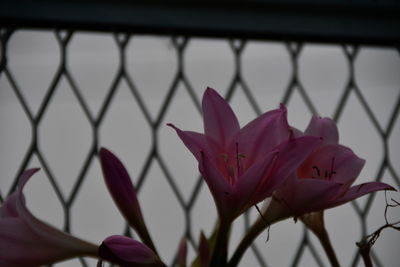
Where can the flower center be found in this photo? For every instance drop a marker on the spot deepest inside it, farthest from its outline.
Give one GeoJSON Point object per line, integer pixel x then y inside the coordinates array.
{"type": "Point", "coordinates": [233, 165]}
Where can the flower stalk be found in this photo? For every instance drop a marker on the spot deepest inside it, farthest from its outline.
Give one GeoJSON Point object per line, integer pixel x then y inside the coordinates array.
{"type": "Point", "coordinates": [219, 255]}
{"type": "Point", "coordinates": [315, 222]}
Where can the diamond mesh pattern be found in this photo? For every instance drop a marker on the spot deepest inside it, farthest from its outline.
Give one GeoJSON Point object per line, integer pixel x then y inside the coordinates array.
{"type": "Point", "coordinates": [155, 161]}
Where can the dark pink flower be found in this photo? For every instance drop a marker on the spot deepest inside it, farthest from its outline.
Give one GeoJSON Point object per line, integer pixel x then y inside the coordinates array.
{"type": "Point", "coordinates": [128, 252]}
{"type": "Point", "coordinates": [26, 241]}
{"type": "Point", "coordinates": [244, 166]}
{"type": "Point", "coordinates": [324, 180]}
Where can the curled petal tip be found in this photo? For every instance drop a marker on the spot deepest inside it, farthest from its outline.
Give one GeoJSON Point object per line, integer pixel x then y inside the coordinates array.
{"type": "Point", "coordinates": [104, 153]}
{"type": "Point", "coordinates": [171, 125]}
{"type": "Point", "coordinates": [209, 90]}
{"type": "Point", "coordinates": [25, 176]}
{"type": "Point", "coordinates": [391, 188]}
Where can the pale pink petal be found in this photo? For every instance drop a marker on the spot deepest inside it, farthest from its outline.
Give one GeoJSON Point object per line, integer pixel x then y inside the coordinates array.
{"type": "Point", "coordinates": [301, 196]}
{"type": "Point", "coordinates": [332, 162]}
{"type": "Point", "coordinates": [49, 234]}
{"type": "Point", "coordinates": [195, 142]}
{"type": "Point", "coordinates": [290, 155]}
{"type": "Point", "coordinates": [9, 208]}
{"type": "Point", "coordinates": [263, 134]}
{"type": "Point", "coordinates": [325, 128]}
{"type": "Point", "coordinates": [248, 183]}
{"type": "Point", "coordinates": [220, 123]}
{"type": "Point", "coordinates": [358, 191]}
{"type": "Point", "coordinates": [121, 188]}
{"type": "Point", "coordinates": [127, 252]}
{"type": "Point", "coordinates": [21, 246]}
{"type": "Point", "coordinates": [218, 185]}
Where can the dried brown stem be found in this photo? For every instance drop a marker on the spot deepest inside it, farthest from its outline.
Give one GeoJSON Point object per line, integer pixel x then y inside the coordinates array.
{"type": "Point", "coordinates": [368, 241]}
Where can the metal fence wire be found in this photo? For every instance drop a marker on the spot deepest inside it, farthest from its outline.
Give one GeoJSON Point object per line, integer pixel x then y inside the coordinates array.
{"type": "Point", "coordinates": [294, 89]}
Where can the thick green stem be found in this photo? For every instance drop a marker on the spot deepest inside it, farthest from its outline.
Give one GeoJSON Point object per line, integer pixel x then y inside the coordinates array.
{"type": "Point", "coordinates": [220, 251]}
{"type": "Point", "coordinates": [327, 245]}
{"type": "Point", "coordinates": [246, 242]}
{"type": "Point", "coordinates": [145, 236]}
{"type": "Point", "coordinates": [315, 222]}
{"type": "Point", "coordinates": [271, 215]}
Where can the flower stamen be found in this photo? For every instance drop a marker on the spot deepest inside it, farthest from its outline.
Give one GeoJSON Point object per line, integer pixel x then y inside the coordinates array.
{"type": "Point", "coordinates": [317, 170]}
{"type": "Point", "coordinates": [237, 160]}
{"type": "Point", "coordinates": [332, 166]}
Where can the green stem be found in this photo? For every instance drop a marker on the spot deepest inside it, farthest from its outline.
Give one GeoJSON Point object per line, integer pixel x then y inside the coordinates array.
{"type": "Point", "coordinates": [220, 251]}
{"type": "Point", "coordinates": [146, 238]}
{"type": "Point", "coordinates": [327, 245]}
{"type": "Point", "coordinates": [316, 223]}
{"type": "Point", "coordinates": [246, 242]}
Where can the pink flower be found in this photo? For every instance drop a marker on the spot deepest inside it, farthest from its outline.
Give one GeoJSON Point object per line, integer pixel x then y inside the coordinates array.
{"type": "Point", "coordinates": [127, 252]}
{"type": "Point", "coordinates": [26, 241]}
{"type": "Point", "coordinates": [244, 166]}
{"type": "Point", "coordinates": [324, 180]}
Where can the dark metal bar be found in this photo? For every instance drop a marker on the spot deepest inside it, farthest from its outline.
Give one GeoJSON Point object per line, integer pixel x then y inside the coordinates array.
{"type": "Point", "coordinates": [361, 22]}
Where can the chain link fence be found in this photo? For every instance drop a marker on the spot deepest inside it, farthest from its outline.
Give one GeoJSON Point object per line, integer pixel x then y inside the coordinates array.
{"type": "Point", "coordinates": [121, 89]}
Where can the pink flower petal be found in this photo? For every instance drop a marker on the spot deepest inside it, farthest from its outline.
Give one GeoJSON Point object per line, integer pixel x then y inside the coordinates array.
{"type": "Point", "coordinates": [263, 134]}
{"type": "Point", "coordinates": [291, 154]}
{"type": "Point", "coordinates": [121, 188]}
{"type": "Point", "coordinates": [358, 191]}
{"type": "Point", "coordinates": [220, 123]}
{"type": "Point", "coordinates": [245, 187]}
{"type": "Point", "coordinates": [332, 162]}
{"type": "Point", "coordinates": [50, 234]}
{"type": "Point", "coordinates": [21, 246]}
{"type": "Point", "coordinates": [325, 128]}
{"type": "Point", "coordinates": [219, 187]}
{"type": "Point", "coordinates": [9, 207]}
{"type": "Point", "coordinates": [127, 252]}
{"type": "Point", "coordinates": [195, 142]}
{"type": "Point", "coordinates": [27, 241]}
{"type": "Point", "coordinates": [301, 196]}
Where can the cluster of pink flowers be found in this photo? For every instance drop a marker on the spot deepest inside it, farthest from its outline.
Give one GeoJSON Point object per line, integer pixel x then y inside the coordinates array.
{"type": "Point", "coordinates": [301, 173]}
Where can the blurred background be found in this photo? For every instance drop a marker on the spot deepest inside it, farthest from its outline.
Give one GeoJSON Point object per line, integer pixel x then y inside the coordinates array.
{"type": "Point", "coordinates": [63, 94]}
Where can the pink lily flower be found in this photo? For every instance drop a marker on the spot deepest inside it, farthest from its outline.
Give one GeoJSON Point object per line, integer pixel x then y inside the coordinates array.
{"type": "Point", "coordinates": [128, 252]}
{"type": "Point", "coordinates": [324, 180]}
{"type": "Point", "coordinates": [121, 189]}
{"type": "Point", "coordinates": [25, 241]}
{"type": "Point", "coordinates": [244, 166]}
